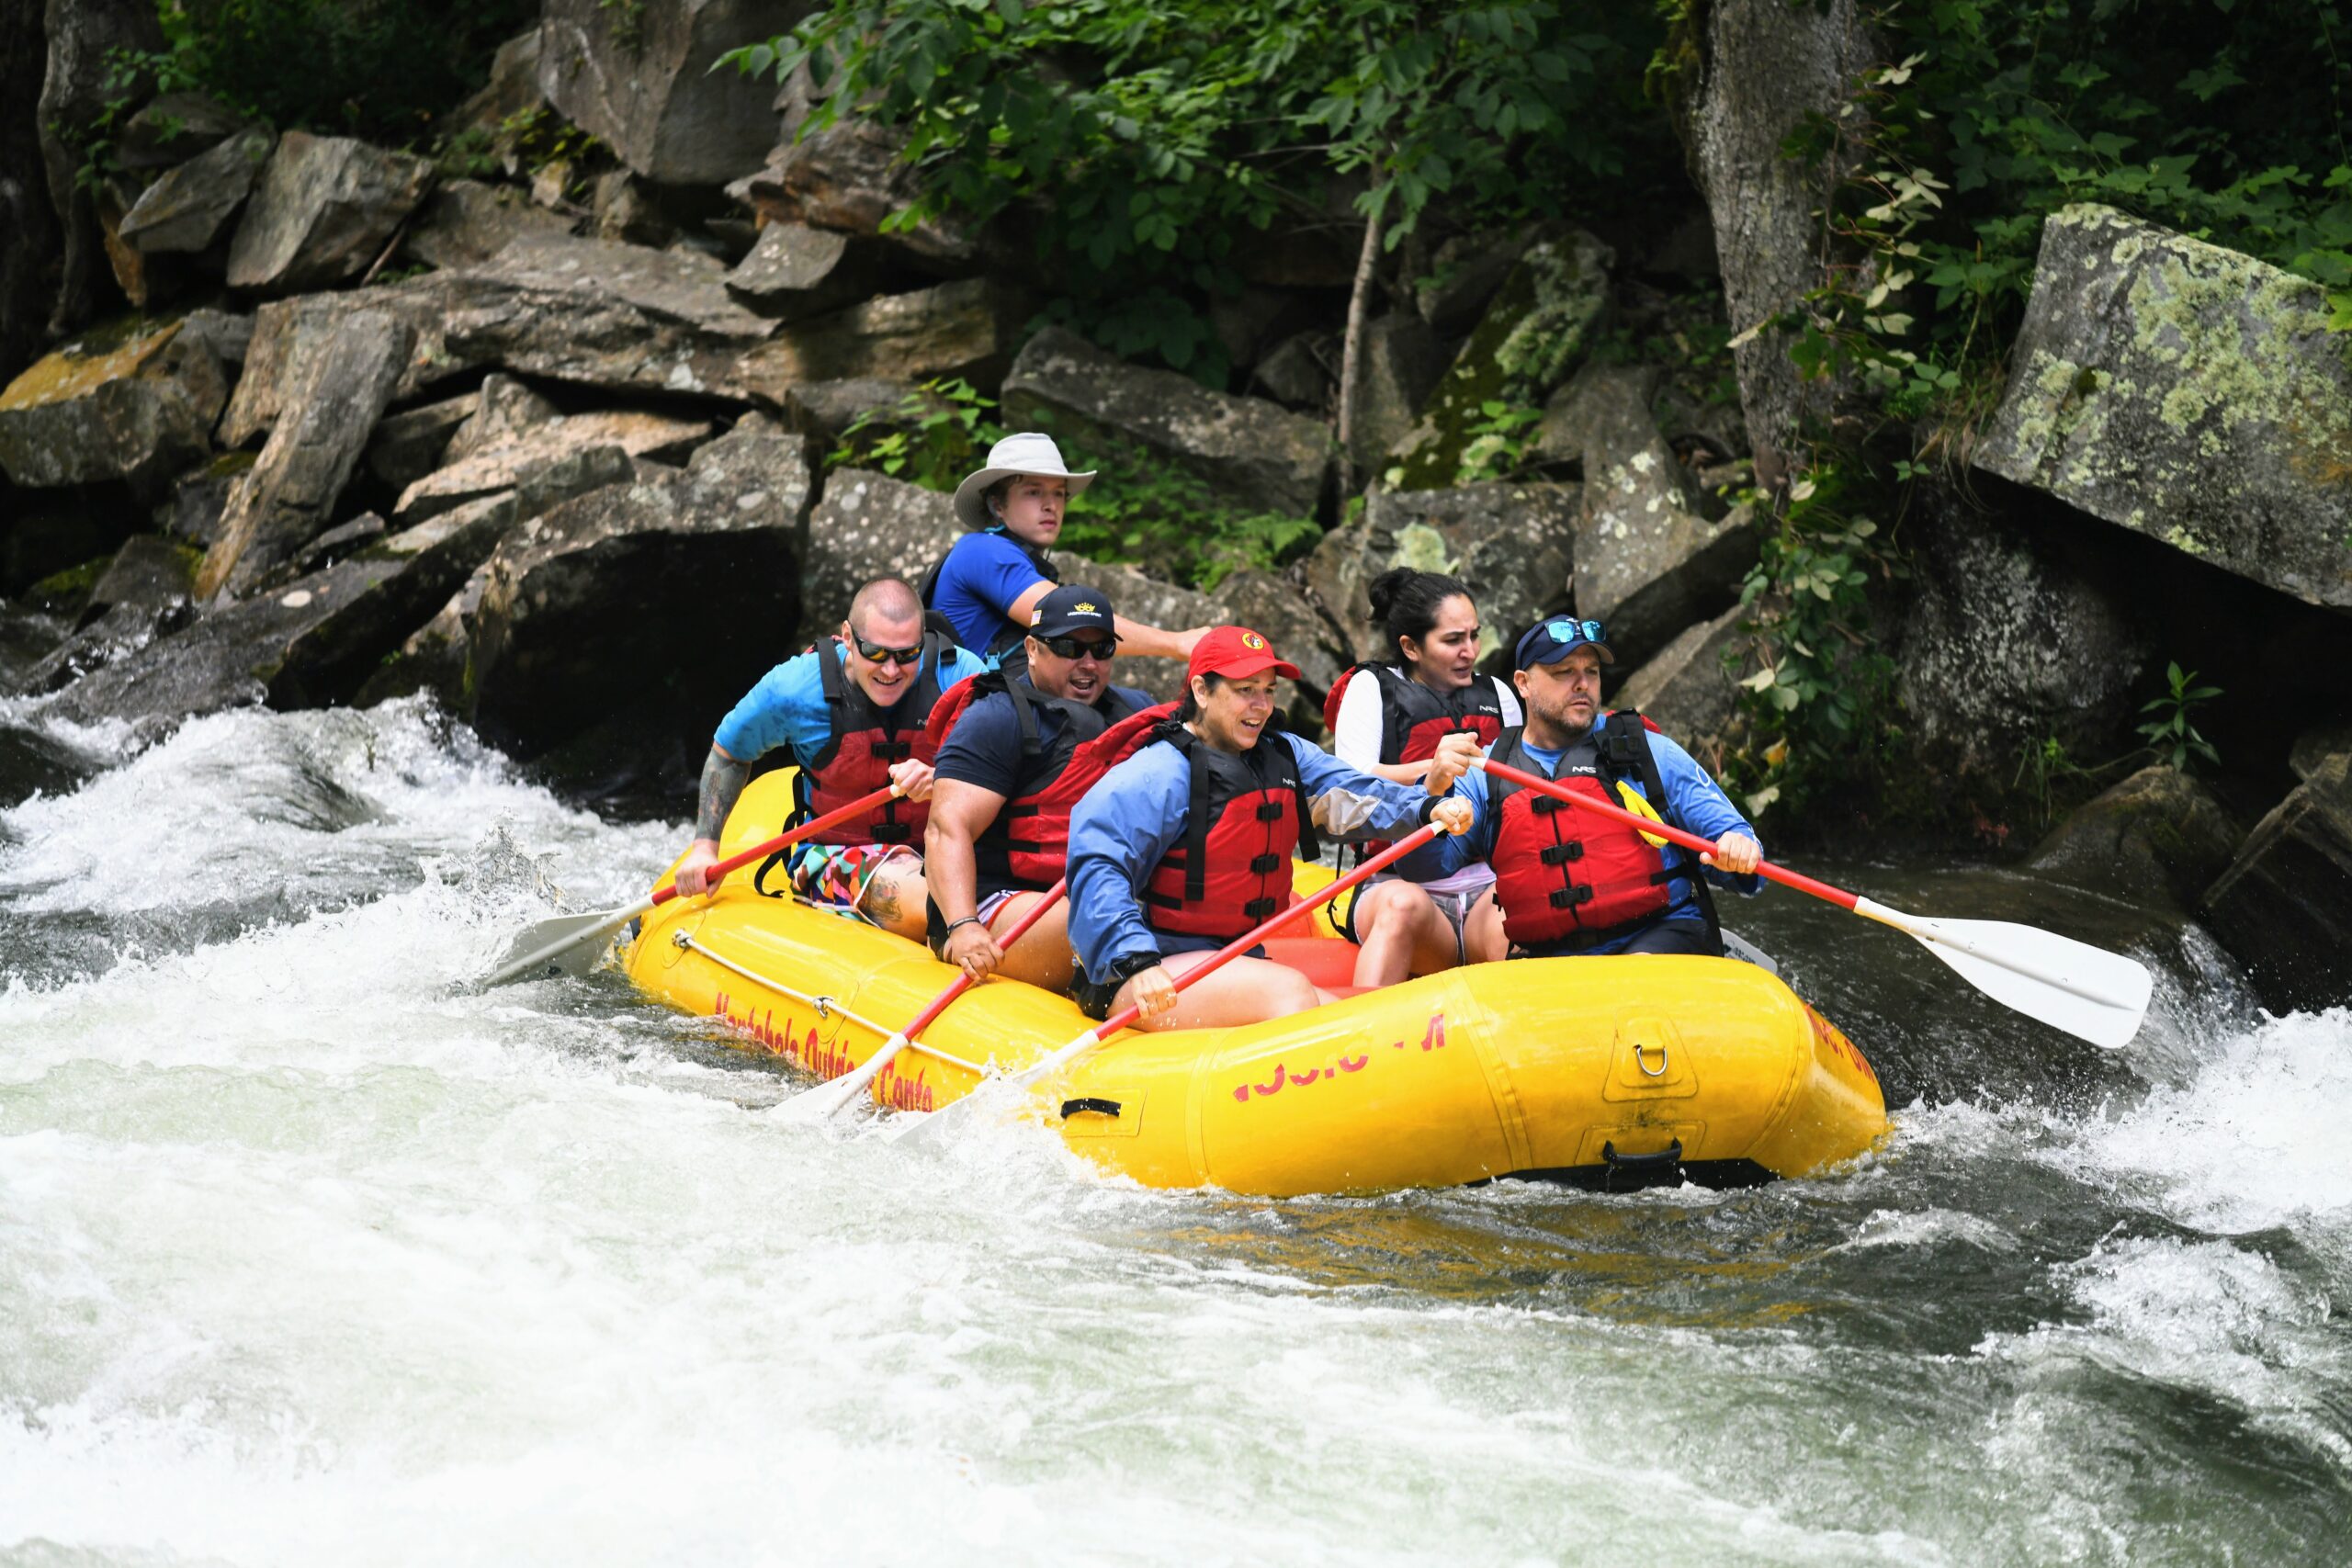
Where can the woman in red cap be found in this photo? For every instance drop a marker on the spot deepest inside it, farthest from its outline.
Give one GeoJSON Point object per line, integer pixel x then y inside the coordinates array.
{"type": "Point", "coordinates": [1187, 844]}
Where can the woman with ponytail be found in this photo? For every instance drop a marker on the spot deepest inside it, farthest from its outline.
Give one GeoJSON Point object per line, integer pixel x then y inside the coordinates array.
{"type": "Point", "coordinates": [1392, 717]}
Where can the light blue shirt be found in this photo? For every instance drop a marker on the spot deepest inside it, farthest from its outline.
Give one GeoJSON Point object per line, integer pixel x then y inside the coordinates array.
{"type": "Point", "coordinates": [787, 706]}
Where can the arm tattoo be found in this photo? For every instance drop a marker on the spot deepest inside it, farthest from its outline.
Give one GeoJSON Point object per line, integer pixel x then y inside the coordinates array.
{"type": "Point", "coordinates": [723, 779]}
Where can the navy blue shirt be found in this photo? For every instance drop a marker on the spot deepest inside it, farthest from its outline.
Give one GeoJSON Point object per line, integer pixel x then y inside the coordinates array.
{"type": "Point", "coordinates": [984, 749]}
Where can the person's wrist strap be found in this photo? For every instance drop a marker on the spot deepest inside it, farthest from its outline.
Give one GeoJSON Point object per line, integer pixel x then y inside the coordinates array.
{"type": "Point", "coordinates": [963, 920]}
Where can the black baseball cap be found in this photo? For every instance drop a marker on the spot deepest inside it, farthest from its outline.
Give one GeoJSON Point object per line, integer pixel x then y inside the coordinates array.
{"type": "Point", "coordinates": [1072, 608]}
{"type": "Point", "coordinates": [1548, 642]}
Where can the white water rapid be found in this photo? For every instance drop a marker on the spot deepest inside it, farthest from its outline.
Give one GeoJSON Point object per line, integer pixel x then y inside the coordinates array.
{"type": "Point", "coordinates": [308, 1254]}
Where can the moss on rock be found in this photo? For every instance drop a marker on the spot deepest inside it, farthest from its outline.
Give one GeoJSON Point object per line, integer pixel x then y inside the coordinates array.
{"type": "Point", "coordinates": [1530, 340]}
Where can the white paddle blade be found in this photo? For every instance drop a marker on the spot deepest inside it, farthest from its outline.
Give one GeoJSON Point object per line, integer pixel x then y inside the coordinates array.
{"type": "Point", "coordinates": [828, 1099]}
{"type": "Point", "coordinates": [2088, 992]}
{"type": "Point", "coordinates": [565, 945]}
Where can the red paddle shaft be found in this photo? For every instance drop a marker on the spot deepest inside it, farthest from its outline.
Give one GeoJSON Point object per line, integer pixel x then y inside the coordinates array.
{"type": "Point", "coordinates": [1037, 912]}
{"type": "Point", "coordinates": [669, 889]}
{"type": "Point", "coordinates": [1690, 842]}
{"type": "Point", "coordinates": [1281, 918]}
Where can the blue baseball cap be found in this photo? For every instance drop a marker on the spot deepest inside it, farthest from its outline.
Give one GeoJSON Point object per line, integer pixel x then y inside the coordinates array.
{"type": "Point", "coordinates": [1548, 642]}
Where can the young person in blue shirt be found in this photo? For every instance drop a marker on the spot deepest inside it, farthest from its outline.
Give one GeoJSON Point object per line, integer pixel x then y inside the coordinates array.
{"type": "Point", "coordinates": [852, 710]}
{"type": "Point", "coordinates": [1023, 750]}
{"type": "Point", "coordinates": [1187, 844]}
{"type": "Point", "coordinates": [1574, 882]}
{"type": "Point", "coordinates": [992, 578]}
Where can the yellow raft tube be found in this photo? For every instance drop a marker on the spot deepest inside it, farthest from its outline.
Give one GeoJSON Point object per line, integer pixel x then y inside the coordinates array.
{"type": "Point", "coordinates": [1608, 1072]}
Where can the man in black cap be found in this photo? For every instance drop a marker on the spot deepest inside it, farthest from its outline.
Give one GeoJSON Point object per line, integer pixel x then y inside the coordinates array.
{"type": "Point", "coordinates": [1020, 751]}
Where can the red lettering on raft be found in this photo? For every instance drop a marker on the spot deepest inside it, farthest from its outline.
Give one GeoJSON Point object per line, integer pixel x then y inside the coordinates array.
{"type": "Point", "coordinates": [1432, 1039]}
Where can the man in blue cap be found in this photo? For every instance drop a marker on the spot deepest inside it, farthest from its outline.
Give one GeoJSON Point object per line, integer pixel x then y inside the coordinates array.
{"type": "Point", "coordinates": [1575, 882]}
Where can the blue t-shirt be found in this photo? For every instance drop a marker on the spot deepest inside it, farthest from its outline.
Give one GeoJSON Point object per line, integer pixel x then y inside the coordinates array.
{"type": "Point", "coordinates": [984, 749]}
{"type": "Point", "coordinates": [981, 577]}
{"type": "Point", "coordinates": [787, 707]}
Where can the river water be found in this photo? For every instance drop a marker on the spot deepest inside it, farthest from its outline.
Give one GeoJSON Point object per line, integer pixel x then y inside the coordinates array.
{"type": "Point", "coordinates": [307, 1255]}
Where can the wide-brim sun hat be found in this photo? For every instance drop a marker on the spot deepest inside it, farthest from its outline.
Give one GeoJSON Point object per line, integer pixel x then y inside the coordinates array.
{"type": "Point", "coordinates": [1025, 452]}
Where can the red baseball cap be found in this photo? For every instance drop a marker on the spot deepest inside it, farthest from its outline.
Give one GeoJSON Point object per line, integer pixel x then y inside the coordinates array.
{"type": "Point", "coordinates": [1236, 653]}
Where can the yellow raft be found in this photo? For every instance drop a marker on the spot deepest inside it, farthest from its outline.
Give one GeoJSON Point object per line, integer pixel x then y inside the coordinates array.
{"type": "Point", "coordinates": [1602, 1072]}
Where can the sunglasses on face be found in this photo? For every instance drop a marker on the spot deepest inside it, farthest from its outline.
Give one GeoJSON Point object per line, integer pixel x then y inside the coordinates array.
{"type": "Point", "coordinates": [875, 653]}
{"type": "Point", "coordinates": [1071, 648]}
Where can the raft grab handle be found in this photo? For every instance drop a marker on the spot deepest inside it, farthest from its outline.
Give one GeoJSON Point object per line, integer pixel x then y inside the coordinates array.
{"type": "Point", "coordinates": [1641, 1170]}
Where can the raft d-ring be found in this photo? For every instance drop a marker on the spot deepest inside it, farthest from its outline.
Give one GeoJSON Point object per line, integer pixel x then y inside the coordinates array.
{"type": "Point", "coordinates": [1643, 1062]}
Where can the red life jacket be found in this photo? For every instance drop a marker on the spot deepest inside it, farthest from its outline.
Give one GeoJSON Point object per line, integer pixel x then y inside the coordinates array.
{"type": "Point", "coordinates": [866, 742]}
{"type": "Point", "coordinates": [1246, 816]}
{"type": "Point", "coordinates": [1028, 844]}
{"type": "Point", "coordinates": [1565, 876]}
{"type": "Point", "coordinates": [1415, 717]}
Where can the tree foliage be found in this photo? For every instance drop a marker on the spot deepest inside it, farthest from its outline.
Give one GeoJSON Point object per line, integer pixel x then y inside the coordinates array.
{"type": "Point", "coordinates": [1170, 138]}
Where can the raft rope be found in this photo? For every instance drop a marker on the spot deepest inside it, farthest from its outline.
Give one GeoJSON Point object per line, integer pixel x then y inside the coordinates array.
{"type": "Point", "coordinates": [826, 1006]}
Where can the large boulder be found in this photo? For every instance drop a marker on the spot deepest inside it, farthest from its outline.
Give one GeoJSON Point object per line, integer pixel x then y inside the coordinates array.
{"type": "Point", "coordinates": [1648, 564]}
{"type": "Point", "coordinates": [2005, 645]}
{"type": "Point", "coordinates": [186, 210]}
{"type": "Point", "coordinates": [618, 317]}
{"type": "Point", "coordinates": [1687, 688]}
{"type": "Point", "coordinates": [1466, 273]}
{"type": "Point", "coordinates": [290, 496]}
{"type": "Point", "coordinates": [2158, 837]}
{"type": "Point", "coordinates": [2284, 907]}
{"type": "Point", "coordinates": [2186, 392]}
{"type": "Point", "coordinates": [1513, 546]}
{"type": "Point", "coordinates": [1398, 365]}
{"type": "Point", "coordinates": [495, 469]}
{"type": "Point", "coordinates": [1533, 336]}
{"type": "Point", "coordinates": [868, 525]}
{"type": "Point", "coordinates": [466, 222]}
{"type": "Point", "coordinates": [851, 177]}
{"type": "Point", "coordinates": [132, 402]}
{"type": "Point", "coordinates": [1251, 453]}
{"type": "Point", "coordinates": [323, 211]}
{"type": "Point", "coordinates": [966, 328]}
{"type": "Point", "coordinates": [639, 78]}
{"type": "Point", "coordinates": [308, 643]}
{"type": "Point", "coordinates": [1278, 604]}
{"type": "Point", "coordinates": [172, 128]}
{"type": "Point", "coordinates": [704, 562]}
{"type": "Point", "coordinates": [795, 271]}
{"type": "Point", "coordinates": [144, 592]}
{"type": "Point", "coordinates": [411, 443]}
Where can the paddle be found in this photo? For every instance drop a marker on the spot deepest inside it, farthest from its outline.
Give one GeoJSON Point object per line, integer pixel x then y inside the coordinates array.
{"type": "Point", "coordinates": [565, 945]}
{"type": "Point", "coordinates": [2090, 993]}
{"type": "Point", "coordinates": [943, 1118]}
{"type": "Point", "coordinates": [816, 1104]}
